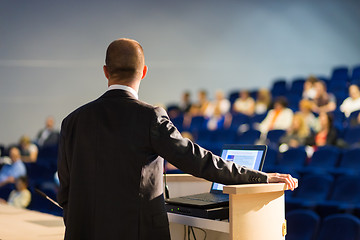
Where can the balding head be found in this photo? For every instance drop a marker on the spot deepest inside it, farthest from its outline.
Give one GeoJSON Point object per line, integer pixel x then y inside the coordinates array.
{"type": "Point", "coordinates": [124, 61]}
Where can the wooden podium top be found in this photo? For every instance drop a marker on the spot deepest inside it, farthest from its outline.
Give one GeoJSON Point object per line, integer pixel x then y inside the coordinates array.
{"type": "Point", "coordinates": [254, 188]}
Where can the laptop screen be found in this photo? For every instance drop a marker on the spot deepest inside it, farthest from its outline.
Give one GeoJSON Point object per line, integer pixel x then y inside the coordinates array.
{"type": "Point", "coordinates": [250, 156]}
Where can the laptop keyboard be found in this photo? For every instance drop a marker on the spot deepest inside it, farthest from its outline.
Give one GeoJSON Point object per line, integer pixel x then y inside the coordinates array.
{"type": "Point", "coordinates": [209, 197]}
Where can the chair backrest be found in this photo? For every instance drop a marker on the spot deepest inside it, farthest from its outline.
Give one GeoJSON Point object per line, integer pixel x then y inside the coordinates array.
{"type": "Point", "coordinates": [346, 189]}
{"type": "Point", "coordinates": [325, 157]}
{"type": "Point", "coordinates": [248, 137]}
{"type": "Point", "coordinates": [294, 157]}
{"type": "Point", "coordinates": [352, 135]}
{"type": "Point", "coordinates": [297, 86]}
{"type": "Point", "coordinates": [314, 187]}
{"type": "Point", "coordinates": [351, 159]}
{"type": "Point", "coordinates": [340, 74]}
{"type": "Point", "coordinates": [340, 226]}
{"type": "Point", "coordinates": [273, 136]}
{"type": "Point", "coordinates": [302, 225]}
{"type": "Point", "coordinates": [238, 119]}
{"type": "Point", "coordinates": [279, 88]}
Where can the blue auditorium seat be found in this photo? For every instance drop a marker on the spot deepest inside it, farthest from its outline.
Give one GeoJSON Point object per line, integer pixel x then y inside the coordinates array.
{"type": "Point", "coordinates": [352, 135]}
{"type": "Point", "coordinates": [349, 162]}
{"type": "Point", "coordinates": [313, 188]}
{"type": "Point", "coordinates": [238, 119]}
{"type": "Point", "coordinates": [273, 137]}
{"type": "Point", "coordinates": [344, 196]}
{"type": "Point", "coordinates": [340, 226]}
{"type": "Point", "coordinates": [302, 225]}
{"type": "Point", "coordinates": [178, 122]}
{"type": "Point", "coordinates": [248, 137]}
{"type": "Point", "coordinates": [355, 76]}
{"type": "Point", "coordinates": [297, 86]}
{"type": "Point", "coordinates": [292, 160]}
{"type": "Point", "coordinates": [279, 88]}
{"type": "Point", "coordinates": [271, 161]}
{"type": "Point", "coordinates": [324, 159]}
{"type": "Point", "coordinates": [340, 73]}
{"type": "Point", "coordinates": [233, 96]}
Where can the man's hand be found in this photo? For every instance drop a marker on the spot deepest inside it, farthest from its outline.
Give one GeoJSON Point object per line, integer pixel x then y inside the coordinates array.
{"type": "Point", "coordinates": [291, 183]}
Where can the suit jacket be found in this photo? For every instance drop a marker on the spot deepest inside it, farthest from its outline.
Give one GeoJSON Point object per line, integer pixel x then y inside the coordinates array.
{"type": "Point", "coordinates": [110, 168]}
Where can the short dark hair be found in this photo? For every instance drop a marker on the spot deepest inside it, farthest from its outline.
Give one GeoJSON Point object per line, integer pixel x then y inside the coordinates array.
{"type": "Point", "coordinates": [24, 179]}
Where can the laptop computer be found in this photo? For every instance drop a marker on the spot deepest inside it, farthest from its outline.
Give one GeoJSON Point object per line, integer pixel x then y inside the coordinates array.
{"type": "Point", "coordinates": [250, 156]}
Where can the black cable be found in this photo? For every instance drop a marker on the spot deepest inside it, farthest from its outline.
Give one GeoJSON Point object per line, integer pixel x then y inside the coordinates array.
{"type": "Point", "coordinates": [167, 194]}
{"type": "Point", "coordinates": [205, 234]}
{"type": "Point", "coordinates": [192, 230]}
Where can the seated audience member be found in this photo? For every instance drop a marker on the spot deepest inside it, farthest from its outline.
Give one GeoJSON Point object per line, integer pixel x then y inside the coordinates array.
{"type": "Point", "coordinates": [48, 136]}
{"type": "Point", "coordinates": [21, 197]}
{"type": "Point", "coordinates": [201, 107]}
{"type": "Point", "coordinates": [10, 172]}
{"type": "Point", "coordinates": [323, 101]}
{"type": "Point", "coordinates": [352, 103]}
{"type": "Point", "coordinates": [217, 111]}
{"type": "Point", "coordinates": [309, 91]}
{"type": "Point", "coordinates": [296, 134]}
{"type": "Point", "coordinates": [263, 101]}
{"type": "Point", "coordinates": [185, 104]}
{"type": "Point", "coordinates": [327, 135]}
{"type": "Point", "coordinates": [305, 107]}
{"type": "Point", "coordinates": [28, 150]}
{"type": "Point", "coordinates": [245, 104]}
{"type": "Point", "coordinates": [278, 118]}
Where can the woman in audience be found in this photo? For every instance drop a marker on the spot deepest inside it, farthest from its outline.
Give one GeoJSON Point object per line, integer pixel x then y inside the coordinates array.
{"type": "Point", "coordinates": [245, 104]}
{"type": "Point", "coordinates": [327, 135]}
{"type": "Point", "coordinates": [323, 101]}
{"type": "Point", "coordinates": [29, 151]}
{"type": "Point", "coordinates": [278, 118]}
{"type": "Point", "coordinates": [312, 122]}
{"type": "Point", "coordinates": [217, 111]}
{"type": "Point", "coordinates": [263, 101]}
{"type": "Point", "coordinates": [296, 134]}
{"type": "Point", "coordinates": [352, 103]}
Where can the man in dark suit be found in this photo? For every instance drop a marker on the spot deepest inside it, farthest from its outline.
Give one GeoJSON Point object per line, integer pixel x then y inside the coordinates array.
{"type": "Point", "coordinates": [111, 158]}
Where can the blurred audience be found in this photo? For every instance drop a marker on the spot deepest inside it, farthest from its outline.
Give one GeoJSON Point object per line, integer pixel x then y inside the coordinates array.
{"type": "Point", "coordinates": [296, 134]}
{"type": "Point", "coordinates": [305, 107]}
{"type": "Point", "coordinates": [10, 172]}
{"type": "Point", "coordinates": [245, 104]}
{"type": "Point", "coordinates": [263, 101]}
{"type": "Point", "coordinates": [327, 134]}
{"type": "Point", "coordinates": [323, 101]}
{"type": "Point", "coordinates": [21, 196]}
{"type": "Point", "coordinates": [309, 91]}
{"type": "Point", "coordinates": [278, 118]}
{"type": "Point", "coordinates": [28, 150]}
{"type": "Point", "coordinates": [48, 136]}
{"type": "Point", "coordinates": [201, 106]}
{"type": "Point", "coordinates": [352, 103]}
{"type": "Point", "coordinates": [185, 104]}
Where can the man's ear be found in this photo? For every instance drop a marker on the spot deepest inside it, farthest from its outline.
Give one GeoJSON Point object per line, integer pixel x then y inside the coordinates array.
{"type": "Point", "coordinates": [106, 72]}
{"type": "Point", "coordinates": [144, 72]}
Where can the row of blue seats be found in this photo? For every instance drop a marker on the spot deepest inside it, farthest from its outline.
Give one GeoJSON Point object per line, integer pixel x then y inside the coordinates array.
{"type": "Point", "coordinates": [307, 225]}
{"type": "Point", "coordinates": [328, 159]}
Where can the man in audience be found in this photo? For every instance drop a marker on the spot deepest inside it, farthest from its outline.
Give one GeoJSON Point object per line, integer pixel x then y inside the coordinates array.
{"type": "Point", "coordinates": [352, 103]}
{"type": "Point", "coordinates": [323, 101]}
{"type": "Point", "coordinates": [118, 140]}
{"type": "Point", "coordinates": [48, 136]}
{"type": "Point", "coordinates": [21, 196]}
{"type": "Point", "coordinates": [10, 172]}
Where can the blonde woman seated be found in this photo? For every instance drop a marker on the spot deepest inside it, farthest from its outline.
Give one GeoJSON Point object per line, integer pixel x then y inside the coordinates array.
{"type": "Point", "coordinates": [296, 134]}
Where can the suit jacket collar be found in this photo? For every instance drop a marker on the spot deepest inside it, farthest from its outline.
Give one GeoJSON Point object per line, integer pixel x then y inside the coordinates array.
{"type": "Point", "coordinates": [118, 93]}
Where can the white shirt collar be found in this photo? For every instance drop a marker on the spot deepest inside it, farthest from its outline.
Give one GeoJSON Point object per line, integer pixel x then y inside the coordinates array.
{"type": "Point", "coordinates": [123, 87]}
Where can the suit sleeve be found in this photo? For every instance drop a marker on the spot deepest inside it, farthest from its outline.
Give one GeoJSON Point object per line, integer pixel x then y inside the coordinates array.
{"type": "Point", "coordinates": [63, 173]}
{"type": "Point", "coordinates": [192, 159]}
